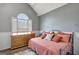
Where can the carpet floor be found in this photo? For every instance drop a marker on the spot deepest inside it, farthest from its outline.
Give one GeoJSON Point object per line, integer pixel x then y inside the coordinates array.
{"type": "Point", "coordinates": [19, 51]}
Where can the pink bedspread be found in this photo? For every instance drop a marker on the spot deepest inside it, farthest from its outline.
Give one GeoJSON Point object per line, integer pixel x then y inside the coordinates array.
{"type": "Point", "coordinates": [45, 47]}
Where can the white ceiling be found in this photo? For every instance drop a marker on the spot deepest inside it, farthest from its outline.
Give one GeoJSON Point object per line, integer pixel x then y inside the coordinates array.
{"type": "Point", "coordinates": [43, 8]}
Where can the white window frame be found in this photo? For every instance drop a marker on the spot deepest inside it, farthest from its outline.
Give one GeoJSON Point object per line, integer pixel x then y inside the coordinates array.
{"type": "Point", "coordinates": [15, 24]}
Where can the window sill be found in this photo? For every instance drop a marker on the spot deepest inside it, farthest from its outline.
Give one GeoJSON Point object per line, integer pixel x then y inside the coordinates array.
{"type": "Point", "coordinates": [13, 34]}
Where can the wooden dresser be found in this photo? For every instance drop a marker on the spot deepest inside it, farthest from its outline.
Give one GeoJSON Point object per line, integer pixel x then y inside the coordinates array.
{"type": "Point", "coordinates": [20, 39]}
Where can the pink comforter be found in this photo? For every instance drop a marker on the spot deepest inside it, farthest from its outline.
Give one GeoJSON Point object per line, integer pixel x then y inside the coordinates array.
{"type": "Point", "coordinates": [45, 47]}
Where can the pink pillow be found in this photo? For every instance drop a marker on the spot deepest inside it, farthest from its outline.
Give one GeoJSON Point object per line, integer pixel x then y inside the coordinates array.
{"type": "Point", "coordinates": [57, 38]}
{"type": "Point", "coordinates": [67, 33]}
{"type": "Point", "coordinates": [65, 37]}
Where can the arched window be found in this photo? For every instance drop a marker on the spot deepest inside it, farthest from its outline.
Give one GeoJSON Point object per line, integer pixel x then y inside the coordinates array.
{"type": "Point", "coordinates": [22, 16]}
{"type": "Point", "coordinates": [23, 23]}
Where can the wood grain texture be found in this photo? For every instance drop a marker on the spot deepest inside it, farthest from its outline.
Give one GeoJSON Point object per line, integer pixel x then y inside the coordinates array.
{"type": "Point", "coordinates": [21, 40]}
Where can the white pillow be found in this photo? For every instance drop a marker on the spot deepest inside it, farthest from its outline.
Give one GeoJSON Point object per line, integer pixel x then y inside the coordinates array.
{"type": "Point", "coordinates": [49, 37]}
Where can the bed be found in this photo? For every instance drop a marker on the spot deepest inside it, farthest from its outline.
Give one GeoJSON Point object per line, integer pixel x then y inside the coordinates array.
{"type": "Point", "coordinates": [45, 47]}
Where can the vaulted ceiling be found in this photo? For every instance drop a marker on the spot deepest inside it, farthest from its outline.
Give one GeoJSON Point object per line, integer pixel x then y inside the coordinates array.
{"type": "Point", "coordinates": [43, 8]}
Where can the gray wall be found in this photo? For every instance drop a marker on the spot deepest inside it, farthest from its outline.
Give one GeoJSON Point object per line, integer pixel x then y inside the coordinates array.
{"type": "Point", "coordinates": [76, 43]}
{"type": "Point", "coordinates": [65, 18]}
{"type": "Point", "coordinates": [12, 10]}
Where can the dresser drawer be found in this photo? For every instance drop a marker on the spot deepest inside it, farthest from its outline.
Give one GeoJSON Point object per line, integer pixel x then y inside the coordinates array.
{"type": "Point", "coordinates": [20, 40]}
{"type": "Point", "coordinates": [18, 44]}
